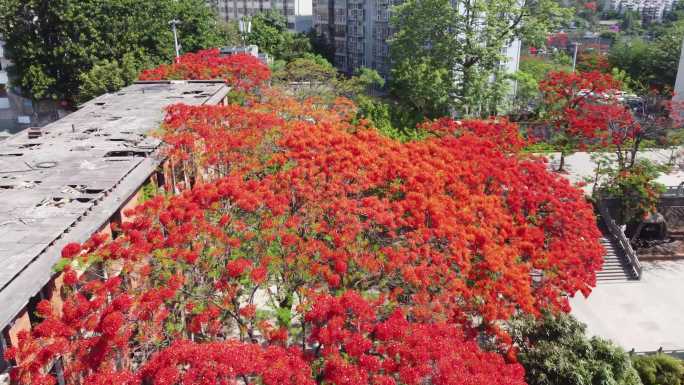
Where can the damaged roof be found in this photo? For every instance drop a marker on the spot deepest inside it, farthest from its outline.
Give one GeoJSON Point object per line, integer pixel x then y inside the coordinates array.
{"type": "Point", "coordinates": [62, 183]}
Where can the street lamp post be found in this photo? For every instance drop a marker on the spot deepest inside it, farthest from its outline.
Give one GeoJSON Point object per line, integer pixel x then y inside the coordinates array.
{"type": "Point", "coordinates": [173, 24]}
{"type": "Point", "coordinates": [574, 57]}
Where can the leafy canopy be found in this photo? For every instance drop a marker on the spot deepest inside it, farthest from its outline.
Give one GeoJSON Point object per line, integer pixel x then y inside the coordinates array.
{"type": "Point", "coordinates": [555, 351]}
{"type": "Point", "coordinates": [57, 45]}
{"type": "Point", "coordinates": [445, 50]}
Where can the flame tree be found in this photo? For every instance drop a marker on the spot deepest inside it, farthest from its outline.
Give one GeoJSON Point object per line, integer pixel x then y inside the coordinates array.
{"type": "Point", "coordinates": [305, 248]}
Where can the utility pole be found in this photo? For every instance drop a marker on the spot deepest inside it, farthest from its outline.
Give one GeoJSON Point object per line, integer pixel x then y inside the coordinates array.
{"type": "Point", "coordinates": [574, 57]}
{"type": "Point", "coordinates": [173, 24]}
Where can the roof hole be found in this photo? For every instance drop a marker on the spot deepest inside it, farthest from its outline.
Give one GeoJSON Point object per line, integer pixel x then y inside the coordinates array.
{"type": "Point", "coordinates": [82, 148]}
{"type": "Point", "coordinates": [30, 145]}
{"type": "Point", "coordinates": [119, 154]}
{"type": "Point", "coordinates": [46, 164]}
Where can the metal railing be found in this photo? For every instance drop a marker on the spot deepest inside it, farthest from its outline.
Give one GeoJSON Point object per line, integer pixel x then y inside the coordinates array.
{"type": "Point", "coordinates": [619, 235]}
{"type": "Point", "coordinates": [674, 191]}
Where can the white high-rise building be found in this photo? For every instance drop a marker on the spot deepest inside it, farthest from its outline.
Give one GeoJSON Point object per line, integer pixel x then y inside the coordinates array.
{"type": "Point", "coordinates": [297, 12]}
{"type": "Point", "coordinates": [650, 10]}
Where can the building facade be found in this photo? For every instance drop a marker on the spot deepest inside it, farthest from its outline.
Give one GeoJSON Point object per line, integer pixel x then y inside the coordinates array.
{"type": "Point", "coordinates": [358, 30]}
{"type": "Point", "coordinates": [651, 11]}
{"type": "Point", "coordinates": [295, 11]}
{"type": "Point", "coordinates": [75, 178]}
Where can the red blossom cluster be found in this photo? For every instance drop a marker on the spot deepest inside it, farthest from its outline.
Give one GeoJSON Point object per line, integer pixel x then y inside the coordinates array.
{"type": "Point", "coordinates": [582, 105]}
{"type": "Point", "coordinates": [303, 247]}
{"type": "Point", "coordinates": [242, 71]}
{"type": "Point", "coordinates": [558, 40]}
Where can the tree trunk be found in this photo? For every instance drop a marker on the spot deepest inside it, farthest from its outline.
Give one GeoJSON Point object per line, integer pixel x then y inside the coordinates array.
{"type": "Point", "coordinates": [562, 163]}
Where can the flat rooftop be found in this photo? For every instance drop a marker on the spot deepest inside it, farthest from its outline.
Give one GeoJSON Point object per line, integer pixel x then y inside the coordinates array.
{"type": "Point", "coordinates": [65, 184]}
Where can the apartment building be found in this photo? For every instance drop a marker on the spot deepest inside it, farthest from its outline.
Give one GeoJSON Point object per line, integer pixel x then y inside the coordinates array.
{"type": "Point", "coordinates": [652, 11]}
{"type": "Point", "coordinates": [75, 178]}
{"type": "Point", "coordinates": [297, 12]}
{"type": "Point", "coordinates": [359, 29]}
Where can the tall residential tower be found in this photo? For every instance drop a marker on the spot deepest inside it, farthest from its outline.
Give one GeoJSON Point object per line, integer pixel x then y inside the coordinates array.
{"type": "Point", "coordinates": [295, 11]}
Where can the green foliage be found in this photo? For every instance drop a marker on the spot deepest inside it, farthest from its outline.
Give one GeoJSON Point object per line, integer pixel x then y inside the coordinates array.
{"type": "Point", "coordinates": [57, 44]}
{"type": "Point", "coordinates": [423, 87]}
{"type": "Point", "coordinates": [441, 61]}
{"type": "Point", "coordinates": [532, 70]}
{"type": "Point", "coordinates": [389, 119]}
{"type": "Point", "coordinates": [270, 33]}
{"type": "Point", "coordinates": [659, 369]}
{"type": "Point", "coordinates": [308, 68]}
{"type": "Point", "coordinates": [556, 351]}
{"type": "Point", "coordinates": [109, 76]}
{"type": "Point", "coordinates": [229, 33]}
{"type": "Point", "coordinates": [149, 191]}
{"type": "Point", "coordinates": [359, 84]}
{"type": "Point", "coordinates": [631, 23]}
{"type": "Point", "coordinates": [650, 63]}
{"type": "Point", "coordinates": [321, 46]}
{"type": "Point", "coordinates": [636, 187]}
{"type": "Point", "coordinates": [61, 264]}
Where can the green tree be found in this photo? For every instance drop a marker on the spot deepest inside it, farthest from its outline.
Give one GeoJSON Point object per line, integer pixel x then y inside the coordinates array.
{"type": "Point", "coordinates": [270, 33]}
{"type": "Point", "coordinates": [556, 351]}
{"type": "Point", "coordinates": [423, 86]}
{"type": "Point", "coordinates": [651, 63]}
{"type": "Point", "coordinates": [54, 42]}
{"type": "Point", "coordinates": [631, 23]}
{"type": "Point", "coordinates": [633, 56]}
{"type": "Point", "coordinates": [109, 76]}
{"type": "Point", "coordinates": [360, 84]}
{"type": "Point", "coordinates": [229, 32]}
{"type": "Point", "coordinates": [659, 369]}
{"type": "Point", "coordinates": [458, 44]}
{"type": "Point", "coordinates": [308, 68]}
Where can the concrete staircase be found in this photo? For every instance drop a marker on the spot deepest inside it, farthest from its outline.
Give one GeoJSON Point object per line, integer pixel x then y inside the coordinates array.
{"type": "Point", "coordinates": [615, 265]}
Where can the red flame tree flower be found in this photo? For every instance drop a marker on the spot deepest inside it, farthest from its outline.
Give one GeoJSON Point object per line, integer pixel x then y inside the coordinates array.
{"type": "Point", "coordinates": [306, 248]}
{"type": "Point", "coordinates": [242, 71]}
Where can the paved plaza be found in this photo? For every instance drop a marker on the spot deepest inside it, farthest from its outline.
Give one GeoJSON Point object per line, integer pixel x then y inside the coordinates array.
{"type": "Point", "coordinates": [643, 315]}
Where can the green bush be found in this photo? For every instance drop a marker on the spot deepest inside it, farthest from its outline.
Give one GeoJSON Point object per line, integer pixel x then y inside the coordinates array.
{"type": "Point", "coordinates": [556, 351]}
{"type": "Point", "coordinates": [659, 369]}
